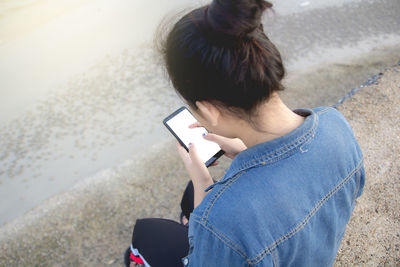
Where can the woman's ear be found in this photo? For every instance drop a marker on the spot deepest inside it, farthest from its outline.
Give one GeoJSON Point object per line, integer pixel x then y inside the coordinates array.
{"type": "Point", "coordinates": [209, 112]}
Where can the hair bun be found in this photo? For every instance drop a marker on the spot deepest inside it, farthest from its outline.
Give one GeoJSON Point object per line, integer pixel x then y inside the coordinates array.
{"type": "Point", "coordinates": [236, 17]}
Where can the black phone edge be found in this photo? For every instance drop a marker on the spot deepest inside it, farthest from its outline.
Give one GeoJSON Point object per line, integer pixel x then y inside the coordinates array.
{"type": "Point", "coordinates": [212, 159]}
{"type": "Point", "coordinates": [172, 131]}
{"type": "Point", "coordinates": [215, 157]}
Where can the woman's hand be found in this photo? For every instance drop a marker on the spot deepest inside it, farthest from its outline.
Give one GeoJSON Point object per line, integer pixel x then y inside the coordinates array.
{"type": "Point", "coordinates": [197, 170]}
{"type": "Point", "coordinates": [231, 146]}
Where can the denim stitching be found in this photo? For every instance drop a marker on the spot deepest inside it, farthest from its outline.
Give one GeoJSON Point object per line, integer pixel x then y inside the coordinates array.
{"type": "Point", "coordinates": [293, 144]}
{"type": "Point", "coordinates": [221, 237]}
{"type": "Point", "coordinates": [358, 184]}
{"type": "Point", "coordinates": [227, 241]}
{"type": "Point", "coordinates": [324, 110]}
{"type": "Point", "coordinates": [276, 262]}
{"type": "Point", "coordinates": [204, 219]}
{"type": "Point", "coordinates": [273, 259]}
{"type": "Point", "coordinates": [212, 201]}
{"type": "Point", "coordinates": [194, 215]}
{"type": "Point", "coordinates": [276, 257]}
{"type": "Point", "coordinates": [308, 217]}
{"type": "Point", "coordinates": [217, 195]}
{"type": "Point", "coordinates": [286, 148]}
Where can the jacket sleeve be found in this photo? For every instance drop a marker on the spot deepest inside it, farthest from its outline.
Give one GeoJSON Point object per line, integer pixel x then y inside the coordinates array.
{"type": "Point", "coordinates": [207, 248]}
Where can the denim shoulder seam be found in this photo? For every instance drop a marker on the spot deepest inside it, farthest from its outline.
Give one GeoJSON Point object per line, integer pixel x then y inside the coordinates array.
{"type": "Point", "coordinates": [215, 197]}
{"type": "Point", "coordinates": [324, 110]}
{"type": "Point", "coordinates": [195, 215]}
{"type": "Point", "coordinates": [300, 226]}
{"type": "Point", "coordinates": [274, 260]}
{"type": "Point", "coordinates": [223, 239]}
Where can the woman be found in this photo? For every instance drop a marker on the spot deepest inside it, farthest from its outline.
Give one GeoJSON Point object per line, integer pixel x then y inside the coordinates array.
{"type": "Point", "coordinates": [295, 175]}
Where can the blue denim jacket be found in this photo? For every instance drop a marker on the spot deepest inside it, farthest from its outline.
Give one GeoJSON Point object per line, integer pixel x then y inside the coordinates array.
{"type": "Point", "coordinates": [285, 202]}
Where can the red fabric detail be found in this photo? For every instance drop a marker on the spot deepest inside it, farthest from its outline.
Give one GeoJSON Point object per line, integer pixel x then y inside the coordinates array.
{"type": "Point", "coordinates": [136, 259]}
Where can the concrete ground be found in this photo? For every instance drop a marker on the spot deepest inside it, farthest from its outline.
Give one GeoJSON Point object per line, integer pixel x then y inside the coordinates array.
{"type": "Point", "coordinates": [91, 225]}
{"type": "Point", "coordinates": [373, 235]}
{"type": "Point", "coordinates": [82, 89]}
{"type": "Point", "coordinates": [101, 117]}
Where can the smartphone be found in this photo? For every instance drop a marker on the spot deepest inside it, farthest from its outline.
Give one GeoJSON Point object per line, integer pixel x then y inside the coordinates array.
{"type": "Point", "coordinates": [178, 124]}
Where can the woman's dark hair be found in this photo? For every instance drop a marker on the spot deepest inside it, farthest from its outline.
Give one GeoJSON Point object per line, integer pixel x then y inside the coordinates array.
{"type": "Point", "coordinates": [220, 53]}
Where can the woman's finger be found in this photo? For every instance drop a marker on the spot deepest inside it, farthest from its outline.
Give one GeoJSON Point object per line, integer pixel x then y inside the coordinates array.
{"type": "Point", "coordinates": [214, 138]}
{"type": "Point", "coordinates": [195, 125]}
{"type": "Point", "coordinates": [215, 163]}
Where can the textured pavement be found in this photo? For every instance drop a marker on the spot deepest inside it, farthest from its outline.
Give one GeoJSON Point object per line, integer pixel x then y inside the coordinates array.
{"type": "Point", "coordinates": [92, 224]}
{"type": "Point", "coordinates": [112, 112]}
{"type": "Point", "coordinates": [373, 235]}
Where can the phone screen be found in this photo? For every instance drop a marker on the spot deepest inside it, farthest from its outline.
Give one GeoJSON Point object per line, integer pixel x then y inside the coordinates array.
{"type": "Point", "coordinates": [178, 123]}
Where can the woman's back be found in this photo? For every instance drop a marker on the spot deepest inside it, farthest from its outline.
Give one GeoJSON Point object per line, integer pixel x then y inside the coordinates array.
{"type": "Point", "coordinates": [295, 175]}
{"type": "Point", "coordinates": [284, 202]}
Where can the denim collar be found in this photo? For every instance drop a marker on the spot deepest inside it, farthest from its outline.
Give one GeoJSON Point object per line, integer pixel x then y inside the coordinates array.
{"type": "Point", "coordinates": [274, 150]}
